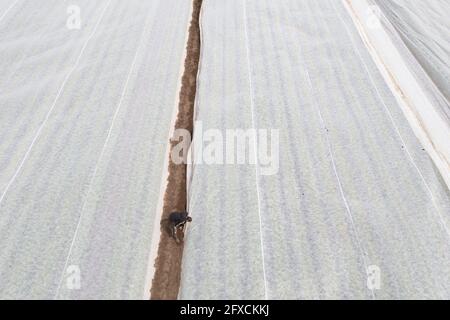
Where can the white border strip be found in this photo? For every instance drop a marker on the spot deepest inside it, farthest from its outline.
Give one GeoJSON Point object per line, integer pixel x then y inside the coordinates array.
{"type": "Point", "coordinates": [190, 168]}
{"type": "Point", "coordinates": [156, 234]}
{"type": "Point", "coordinates": [431, 130]}
{"type": "Point", "coordinates": [191, 152]}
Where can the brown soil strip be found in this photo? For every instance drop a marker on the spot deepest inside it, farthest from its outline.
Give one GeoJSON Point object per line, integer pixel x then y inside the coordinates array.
{"type": "Point", "coordinates": [166, 280]}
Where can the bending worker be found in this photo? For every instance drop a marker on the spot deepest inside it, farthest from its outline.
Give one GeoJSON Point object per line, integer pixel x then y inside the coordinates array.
{"type": "Point", "coordinates": [178, 220]}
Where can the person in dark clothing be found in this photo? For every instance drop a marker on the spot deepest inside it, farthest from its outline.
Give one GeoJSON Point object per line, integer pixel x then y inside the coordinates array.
{"type": "Point", "coordinates": [178, 220]}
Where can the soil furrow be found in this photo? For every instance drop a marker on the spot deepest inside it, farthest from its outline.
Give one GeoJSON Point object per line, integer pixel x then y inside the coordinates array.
{"type": "Point", "coordinates": [166, 280]}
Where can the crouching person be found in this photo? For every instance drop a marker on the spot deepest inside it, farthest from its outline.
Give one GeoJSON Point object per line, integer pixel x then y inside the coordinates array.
{"type": "Point", "coordinates": [177, 221]}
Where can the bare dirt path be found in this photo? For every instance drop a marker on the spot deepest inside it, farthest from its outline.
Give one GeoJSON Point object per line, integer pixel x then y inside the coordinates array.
{"type": "Point", "coordinates": [166, 280]}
